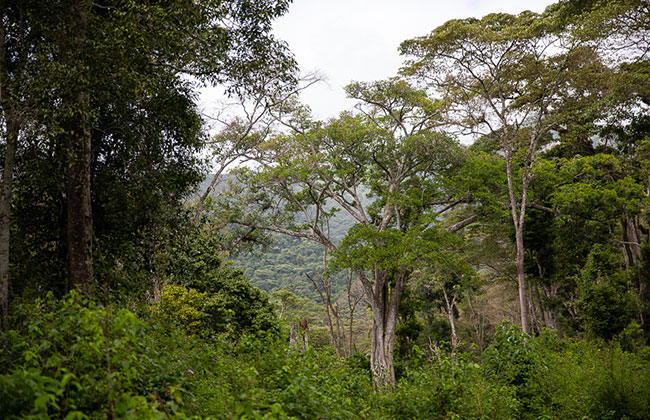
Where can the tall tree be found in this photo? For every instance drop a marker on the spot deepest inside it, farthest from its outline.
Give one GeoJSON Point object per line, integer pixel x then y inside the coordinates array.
{"type": "Point", "coordinates": [384, 166]}
{"type": "Point", "coordinates": [104, 67]}
{"type": "Point", "coordinates": [502, 76]}
{"type": "Point", "coordinates": [15, 38]}
{"type": "Point", "coordinates": [605, 103]}
{"type": "Point", "coordinates": [10, 135]}
{"type": "Point", "coordinates": [72, 48]}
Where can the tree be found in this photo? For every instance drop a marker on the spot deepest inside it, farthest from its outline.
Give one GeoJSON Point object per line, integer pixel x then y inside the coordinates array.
{"type": "Point", "coordinates": [443, 285]}
{"type": "Point", "coordinates": [97, 110]}
{"type": "Point", "coordinates": [228, 303]}
{"type": "Point", "coordinates": [385, 167]}
{"type": "Point", "coordinates": [502, 76]}
{"type": "Point", "coordinates": [594, 198]}
{"type": "Point", "coordinates": [261, 112]}
{"type": "Point", "coordinates": [599, 151]}
{"type": "Point", "coordinates": [14, 35]}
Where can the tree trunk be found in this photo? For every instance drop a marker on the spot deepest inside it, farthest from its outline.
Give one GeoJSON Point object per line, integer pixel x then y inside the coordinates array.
{"type": "Point", "coordinates": [8, 106]}
{"type": "Point", "coordinates": [521, 280]}
{"type": "Point", "coordinates": [293, 336]}
{"type": "Point", "coordinates": [384, 307]}
{"type": "Point", "coordinates": [449, 308]}
{"type": "Point", "coordinates": [544, 322]}
{"type": "Point", "coordinates": [5, 219]}
{"type": "Point", "coordinates": [76, 105]}
{"type": "Point", "coordinates": [325, 292]}
{"type": "Point", "coordinates": [304, 327]}
{"type": "Point", "coordinates": [350, 332]}
{"type": "Point", "coordinates": [79, 228]}
{"type": "Point", "coordinates": [157, 289]}
{"type": "Point", "coordinates": [518, 218]}
{"type": "Point", "coordinates": [534, 310]}
{"type": "Point", "coordinates": [352, 305]}
{"type": "Point", "coordinates": [340, 334]}
{"type": "Point", "coordinates": [632, 241]}
{"type": "Point", "coordinates": [382, 346]}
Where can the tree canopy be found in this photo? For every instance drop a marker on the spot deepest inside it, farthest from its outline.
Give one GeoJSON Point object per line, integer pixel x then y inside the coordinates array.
{"type": "Point", "coordinates": [503, 175]}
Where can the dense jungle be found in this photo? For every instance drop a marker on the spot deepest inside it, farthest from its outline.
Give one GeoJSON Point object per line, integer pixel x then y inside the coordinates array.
{"type": "Point", "coordinates": [471, 240]}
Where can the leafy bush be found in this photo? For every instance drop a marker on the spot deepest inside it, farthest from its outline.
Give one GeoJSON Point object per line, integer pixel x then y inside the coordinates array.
{"type": "Point", "coordinates": [586, 380]}
{"type": "Point", "coordinates": [317, 385]}
{"type": "Point", "coordinates": [74, 359]}
{"type": "Point", "coordinates": [452, 390]}
{"type": "Point", "coordinates": [513, 360]}
{"type": "Point", "coordinates": [181, 305]}
{"type": "Point", "coordinates": [231, 303]}
{"type": "Point", "coordinates": [604, 298]}
{"type": "Point", "coordinates": [569, 379]}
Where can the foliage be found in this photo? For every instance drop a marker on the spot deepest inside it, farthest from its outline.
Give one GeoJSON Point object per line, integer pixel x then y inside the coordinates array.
{"type": "Point", "coordinates": [606, 305]}
{"type": "Point", "coordinates": [450, 389]}
{"type": "Point", "coordinates": [139, 123]}
{"type": "Point", "coordinates": [291, 306]}
{"type": "Point", "coordinates": [390, 152]}
{"type": "Point", "coordinates": [221, 296]}
{"type": "Point", "coordinates": [558, 100]}
{"type": "Point", "coordinates": [287, 262]}
{"type": "Point", "coordinates": [511, 360]}
{"type": "Point", "coordinates": [75, 359]}
{"type": "Point", "coordinates": [59, 367]}
{"type": "Point", "coordinates": [569, 378]}
{"type": "Point", "coordinates": [181, 305]}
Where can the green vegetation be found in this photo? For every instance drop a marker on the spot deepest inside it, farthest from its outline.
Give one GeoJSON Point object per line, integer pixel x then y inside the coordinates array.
{"type": "Point", "coordinates": [71, 358]}
{"type": "Point", "coordinates": [368, 266]}
{"type": "Point", "coordinates": [286, 264]}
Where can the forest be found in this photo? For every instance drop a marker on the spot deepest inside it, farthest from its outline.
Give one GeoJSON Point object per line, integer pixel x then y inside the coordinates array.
{"type": "Point", "coordinates": [471, 240]}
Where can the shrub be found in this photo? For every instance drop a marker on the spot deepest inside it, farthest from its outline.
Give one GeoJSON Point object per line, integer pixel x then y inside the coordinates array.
{"type": "Point", "coordinates": [183, 306]}
{"type": "Point", "coordinates": [75, 359]}
{"type": "Point", "coordinates": [452, 390]}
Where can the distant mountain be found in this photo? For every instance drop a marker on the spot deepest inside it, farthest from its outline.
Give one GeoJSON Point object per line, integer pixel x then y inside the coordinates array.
{"type": "Point", "coordinates": [288, 261]}
{"type": "Point", "coordinates": [287, 264]}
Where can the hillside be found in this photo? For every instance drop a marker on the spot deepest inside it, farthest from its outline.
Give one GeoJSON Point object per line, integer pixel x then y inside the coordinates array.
{"type": "Point", "coordinates": [289, 260]}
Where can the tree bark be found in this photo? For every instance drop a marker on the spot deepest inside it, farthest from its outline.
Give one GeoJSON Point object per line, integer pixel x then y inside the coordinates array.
{"type": "Point", "coordinates": [544, 322]}
{"type": "Point", "coordinates": [293, 336]}
{"type": "Point", "coordinates": [5, 219]}
{"type": "Point", "coordinates": [76, 106]}
{"type": "Point", "coordinates": [521, 280]}
{"type": "Point", "coordinates": [634, 239]}
{"type": "Point", "coordinates": [11, 141]}
{"type": "Point", "coordinates": [449, 308]}
{"type": "Point", "coordinates": [518, 218]}
{"type": "Point", "coordinates": [384, 307]}
{"type": "Point", "coordinates": [79, 227]}
{"type": "Point", "coordinates": [381, 355]}
{"type": "Point", "coordinates": [352, 305]}
{"type": "Point", "coordinates": [326, 297]}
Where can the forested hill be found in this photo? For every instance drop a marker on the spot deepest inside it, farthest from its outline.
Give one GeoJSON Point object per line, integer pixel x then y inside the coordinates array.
{"type": "Point", "coordinates": [288, 261]}
{"type": "Point", "coordinates": [286, 264]}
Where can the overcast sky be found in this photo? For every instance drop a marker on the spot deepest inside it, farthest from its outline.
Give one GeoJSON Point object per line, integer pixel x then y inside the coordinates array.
{"type": "Point", "coordinates": [357, 40]}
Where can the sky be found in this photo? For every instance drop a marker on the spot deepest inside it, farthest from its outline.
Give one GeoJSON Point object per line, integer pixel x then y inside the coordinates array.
{"type": "Point", "coordinates": [358, 40]}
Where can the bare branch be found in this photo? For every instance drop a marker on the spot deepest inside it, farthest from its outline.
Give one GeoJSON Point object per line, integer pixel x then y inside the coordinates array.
{"type": "Point", "coordinates": [463, 223]}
